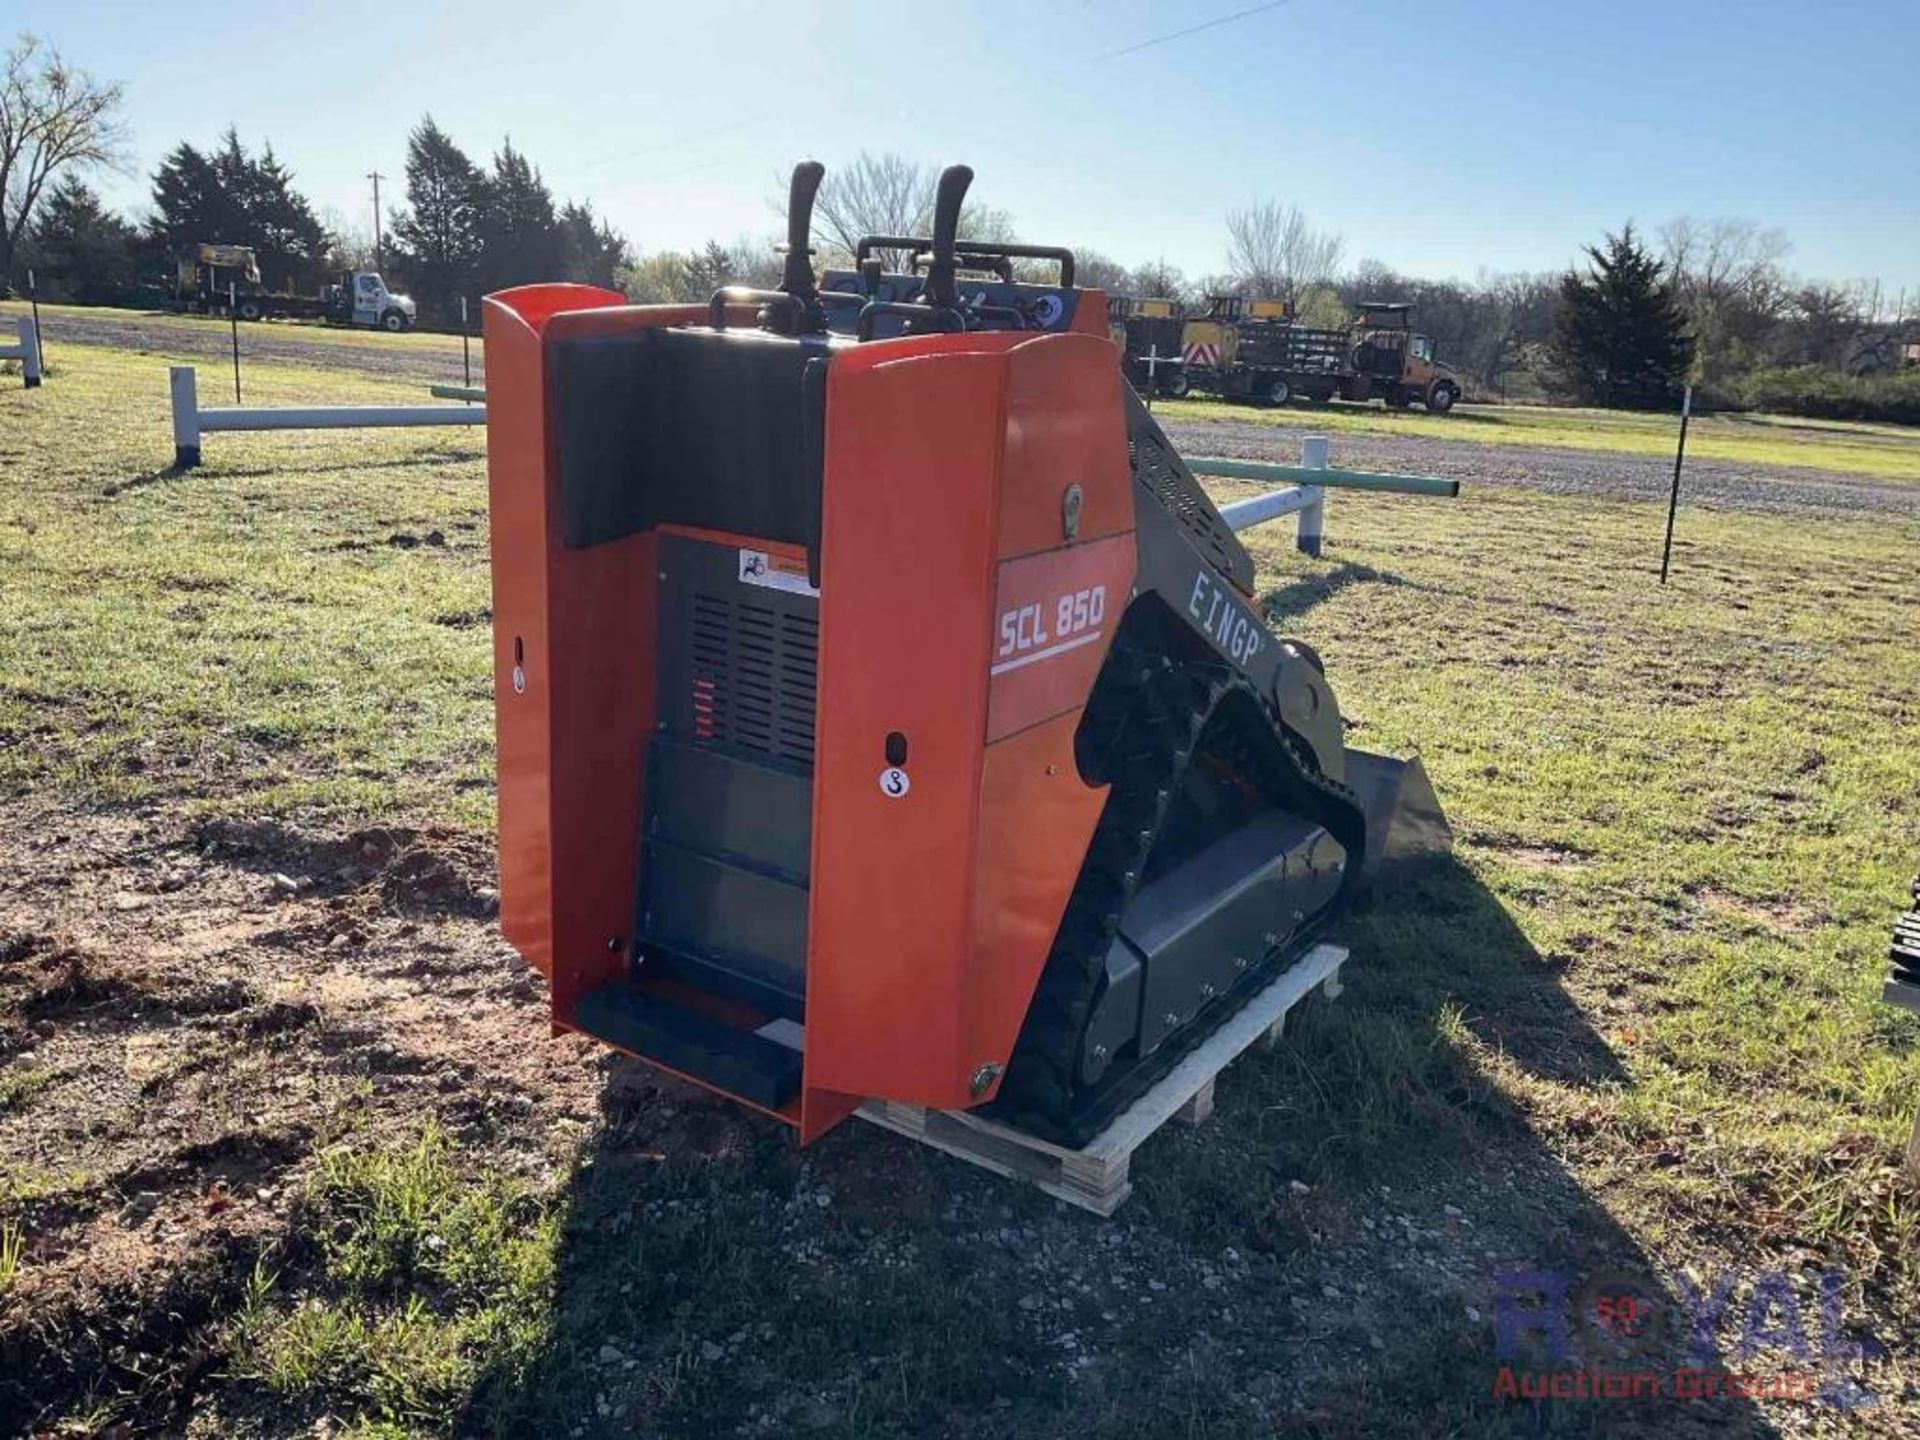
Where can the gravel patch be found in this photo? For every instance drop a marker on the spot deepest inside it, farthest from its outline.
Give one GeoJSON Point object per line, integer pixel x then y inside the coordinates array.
{"type": "Point", "coordinates": [1719, 484]}
{"type": "Point", "coordinates": [268, 342]}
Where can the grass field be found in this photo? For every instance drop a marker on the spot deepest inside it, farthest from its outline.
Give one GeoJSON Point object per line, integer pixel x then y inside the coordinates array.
{"type": "Point", "coordinates": [284, 1143]}
{"type": "Point", "coordinates": [1886, 452]}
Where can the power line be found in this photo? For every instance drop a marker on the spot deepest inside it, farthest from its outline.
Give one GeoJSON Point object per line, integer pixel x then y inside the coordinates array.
{"type": "Point", "coordinates": [713, 132]}
{"type": "Point", "coordinates": [1173, 35]}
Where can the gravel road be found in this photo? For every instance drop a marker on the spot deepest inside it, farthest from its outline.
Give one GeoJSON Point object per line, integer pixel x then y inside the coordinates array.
{"type": "Point", "coordinates": [429, 358]}
{"type": "Point", "coordinates": [1721, 484]}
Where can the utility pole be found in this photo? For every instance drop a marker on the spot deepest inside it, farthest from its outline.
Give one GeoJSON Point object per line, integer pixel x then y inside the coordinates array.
{"type": "Point", "coordinates": [376, 177]}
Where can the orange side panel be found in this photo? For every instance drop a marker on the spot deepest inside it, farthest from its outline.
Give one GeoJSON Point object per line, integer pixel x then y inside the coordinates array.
{"type": "Point", "coordinates": [932, 913]}
{"type": "Point", "coordinates": [1090, 318]}
{"type": "Point", "coordinates": [912, 461]}
{"type": "Point", "coordinates": [1036, 818]}
{"type": "Point", "coordinates": [517, 524]}
{"type": "Point", "coordinates": [579, 627]}
{"type": "Point", "coordinates": [1055, 617]}
{"type": "Point", "coordinates": [1065, 426]}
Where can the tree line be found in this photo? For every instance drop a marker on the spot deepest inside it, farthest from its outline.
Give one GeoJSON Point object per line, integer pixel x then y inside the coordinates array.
{"type": "Point", "coordinates": [464, 230]}
{"type": "Point", "coordinates": [1708, 302]}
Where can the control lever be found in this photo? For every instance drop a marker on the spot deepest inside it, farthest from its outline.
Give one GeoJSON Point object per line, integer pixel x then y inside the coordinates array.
{"type": "Point", "coordinates": [941, 290]}
{"type": "Point", "coordinates": [795, 308]}
{"type": "Point", "coordinates": [797, 277]}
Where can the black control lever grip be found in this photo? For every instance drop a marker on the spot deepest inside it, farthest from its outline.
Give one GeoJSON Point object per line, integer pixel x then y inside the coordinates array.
{"type": "Point", "coordinates": [947, 200]}
{"type": "Point", "coordinates": [797, 276]}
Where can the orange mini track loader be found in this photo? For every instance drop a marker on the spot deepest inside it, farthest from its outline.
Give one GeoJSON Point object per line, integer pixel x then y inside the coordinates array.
{"type": "Point", "coordinates": [883, 708]}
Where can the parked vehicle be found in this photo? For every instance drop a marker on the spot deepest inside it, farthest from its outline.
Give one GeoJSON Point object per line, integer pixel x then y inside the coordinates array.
{"type": "Point", "coordinates": [1255, 350]}
{"type": "Point", "coordinates": [212, 278]}
{"type": "Point", "coordinates": [1148, 333]}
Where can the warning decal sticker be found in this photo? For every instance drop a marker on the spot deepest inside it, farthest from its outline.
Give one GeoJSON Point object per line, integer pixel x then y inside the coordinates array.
{"type": "Point", "coordinates": [775, 572]}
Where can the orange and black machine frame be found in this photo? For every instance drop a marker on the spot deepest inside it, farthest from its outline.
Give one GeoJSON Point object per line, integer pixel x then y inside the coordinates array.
{"type": "Point", "coordinates": [800, 598]}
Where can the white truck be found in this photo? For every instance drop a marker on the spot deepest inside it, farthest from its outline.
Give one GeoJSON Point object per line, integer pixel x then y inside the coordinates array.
{"type": "Point", "coordinates": [211, 278]}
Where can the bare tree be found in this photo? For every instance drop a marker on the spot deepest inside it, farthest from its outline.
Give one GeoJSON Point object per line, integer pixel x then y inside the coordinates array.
{"type": "Point", "coordinates": [1728, 276]}
{"type": "Point", "coordinates": [1374, 280]}
{"type": "Point", "coordinates": [1094, 271]}
{"type": "Point", "coordinates": [349, 243]}
{"type": "Point", "coordinates": [1273, 251]}
{"type": "Point", "coordinates": [53, 118]}
{"type": "Point", "coordinates": [1717, 260]}
{"type": "Point", "coordinates": [889, 194]}
{"type": "Point", "coordinates": [875, 195]}
{"type": "Point", "coordinates": [1157, 280]}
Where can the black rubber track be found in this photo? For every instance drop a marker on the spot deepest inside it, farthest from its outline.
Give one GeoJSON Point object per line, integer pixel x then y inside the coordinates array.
{"type": "Point", "coordinates": [1143, 728]}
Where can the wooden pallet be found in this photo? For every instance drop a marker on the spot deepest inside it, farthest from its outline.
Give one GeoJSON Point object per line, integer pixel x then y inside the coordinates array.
{"type": "Point", "coordinates": [1095, 1177]}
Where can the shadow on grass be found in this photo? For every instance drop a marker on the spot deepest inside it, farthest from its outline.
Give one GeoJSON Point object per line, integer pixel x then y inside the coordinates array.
{"type": "Point", "coordinates": [1324, 1257]}
{"type": "Point", "coordinates": [440, 456]}
{"type": "Point", "coordinates": [150, 477]}
{"type": "Point", "coordinates": [1298, 596]}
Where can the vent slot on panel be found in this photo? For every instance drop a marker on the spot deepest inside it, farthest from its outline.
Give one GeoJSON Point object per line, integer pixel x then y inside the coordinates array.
{"type": "Point", "coordinates": [753, 676]}
{"type": "Point", "coordinates": [1159, 469]}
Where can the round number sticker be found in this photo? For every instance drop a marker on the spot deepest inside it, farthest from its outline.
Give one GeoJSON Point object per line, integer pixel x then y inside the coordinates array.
{"type": "Point", "coordinates": [894, 782]}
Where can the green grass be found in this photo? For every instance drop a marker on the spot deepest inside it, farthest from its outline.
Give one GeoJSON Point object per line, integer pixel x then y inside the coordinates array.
{"type": "Point", "coordinates": [306, 616]}
{"type": "Point", "coordinates": [13, 1245]}
{"type": "Point", "coordinates": [1883, 452]}
{"type": "Point", "coordinates": [430, 1277]}
{"type": "Point", "coordinates": [1686, 818]}
{"type": "Point", "coordinates": [19, 1086]}
{"type": "Point", "coordinates": [1698, 804]}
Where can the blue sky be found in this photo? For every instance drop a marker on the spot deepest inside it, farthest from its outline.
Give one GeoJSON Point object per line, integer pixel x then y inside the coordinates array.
{"type": "Point", "coordinates": [1442, 137]}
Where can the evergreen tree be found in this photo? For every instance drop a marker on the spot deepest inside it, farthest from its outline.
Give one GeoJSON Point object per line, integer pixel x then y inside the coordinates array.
{"type": "Point", "coordinates": [228, 197]}
{"type": "Point", "coordinates": [438, 237]}
{"type": "Point", "coordinates": [1619, 336]}
{"type": "Point", "coordinates": [710, 268]}
{"type": "Point", "coordinates": [521, 240]}
{"type": "Point", "coordinates": [80, 250]}
{"type": "Point", "coordinates": [285, 232]}
{"type": "Point", "coordinates": [191, 203]}
{"type": "Point", "coordinates": [592, 251]}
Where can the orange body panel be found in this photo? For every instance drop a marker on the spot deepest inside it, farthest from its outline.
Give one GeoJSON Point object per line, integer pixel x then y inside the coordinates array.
{"type": "Point", "coordinates": [913, 452]}
{"type": "Point", "coordinates": [948, 459]}
{"type": "Point", "coordinates": [1054, 618]}
{"type": "Point", "coordinates": [576, 624]}
{"type": "Point", "coordinates": [1036, 818]}
{"type": "Point", "coordinates": [1090, 318]}
{"type": "Point", "coordinates": [941, 455]}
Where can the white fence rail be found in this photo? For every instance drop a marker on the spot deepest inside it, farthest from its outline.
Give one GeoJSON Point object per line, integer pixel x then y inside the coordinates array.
{"type": "Point", "coordinates": [190, 422]}
{"type": "Point", "coordinates": [26, 350]}
{"type": "Point", "coordinates": [1309, 502]}
{"type": "Point", "coordinates": [1307, 497]}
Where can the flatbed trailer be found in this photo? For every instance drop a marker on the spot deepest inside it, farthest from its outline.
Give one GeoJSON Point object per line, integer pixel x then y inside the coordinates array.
{"type": "Point", "coordinates": [1269, 358]}
{"type": "Point", "coordinates": [1272, 361]}
{"type": "Point", "coordinates": [223, 279]}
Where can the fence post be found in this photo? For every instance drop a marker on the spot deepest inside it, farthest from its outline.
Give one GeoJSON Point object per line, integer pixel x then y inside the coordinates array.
{"type": "Point", "coordinates": [186, 417]}
{"type": "Point", "coordinates": [29, 351]}
{"type": "Point", "coordinates": [1313, 514]}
